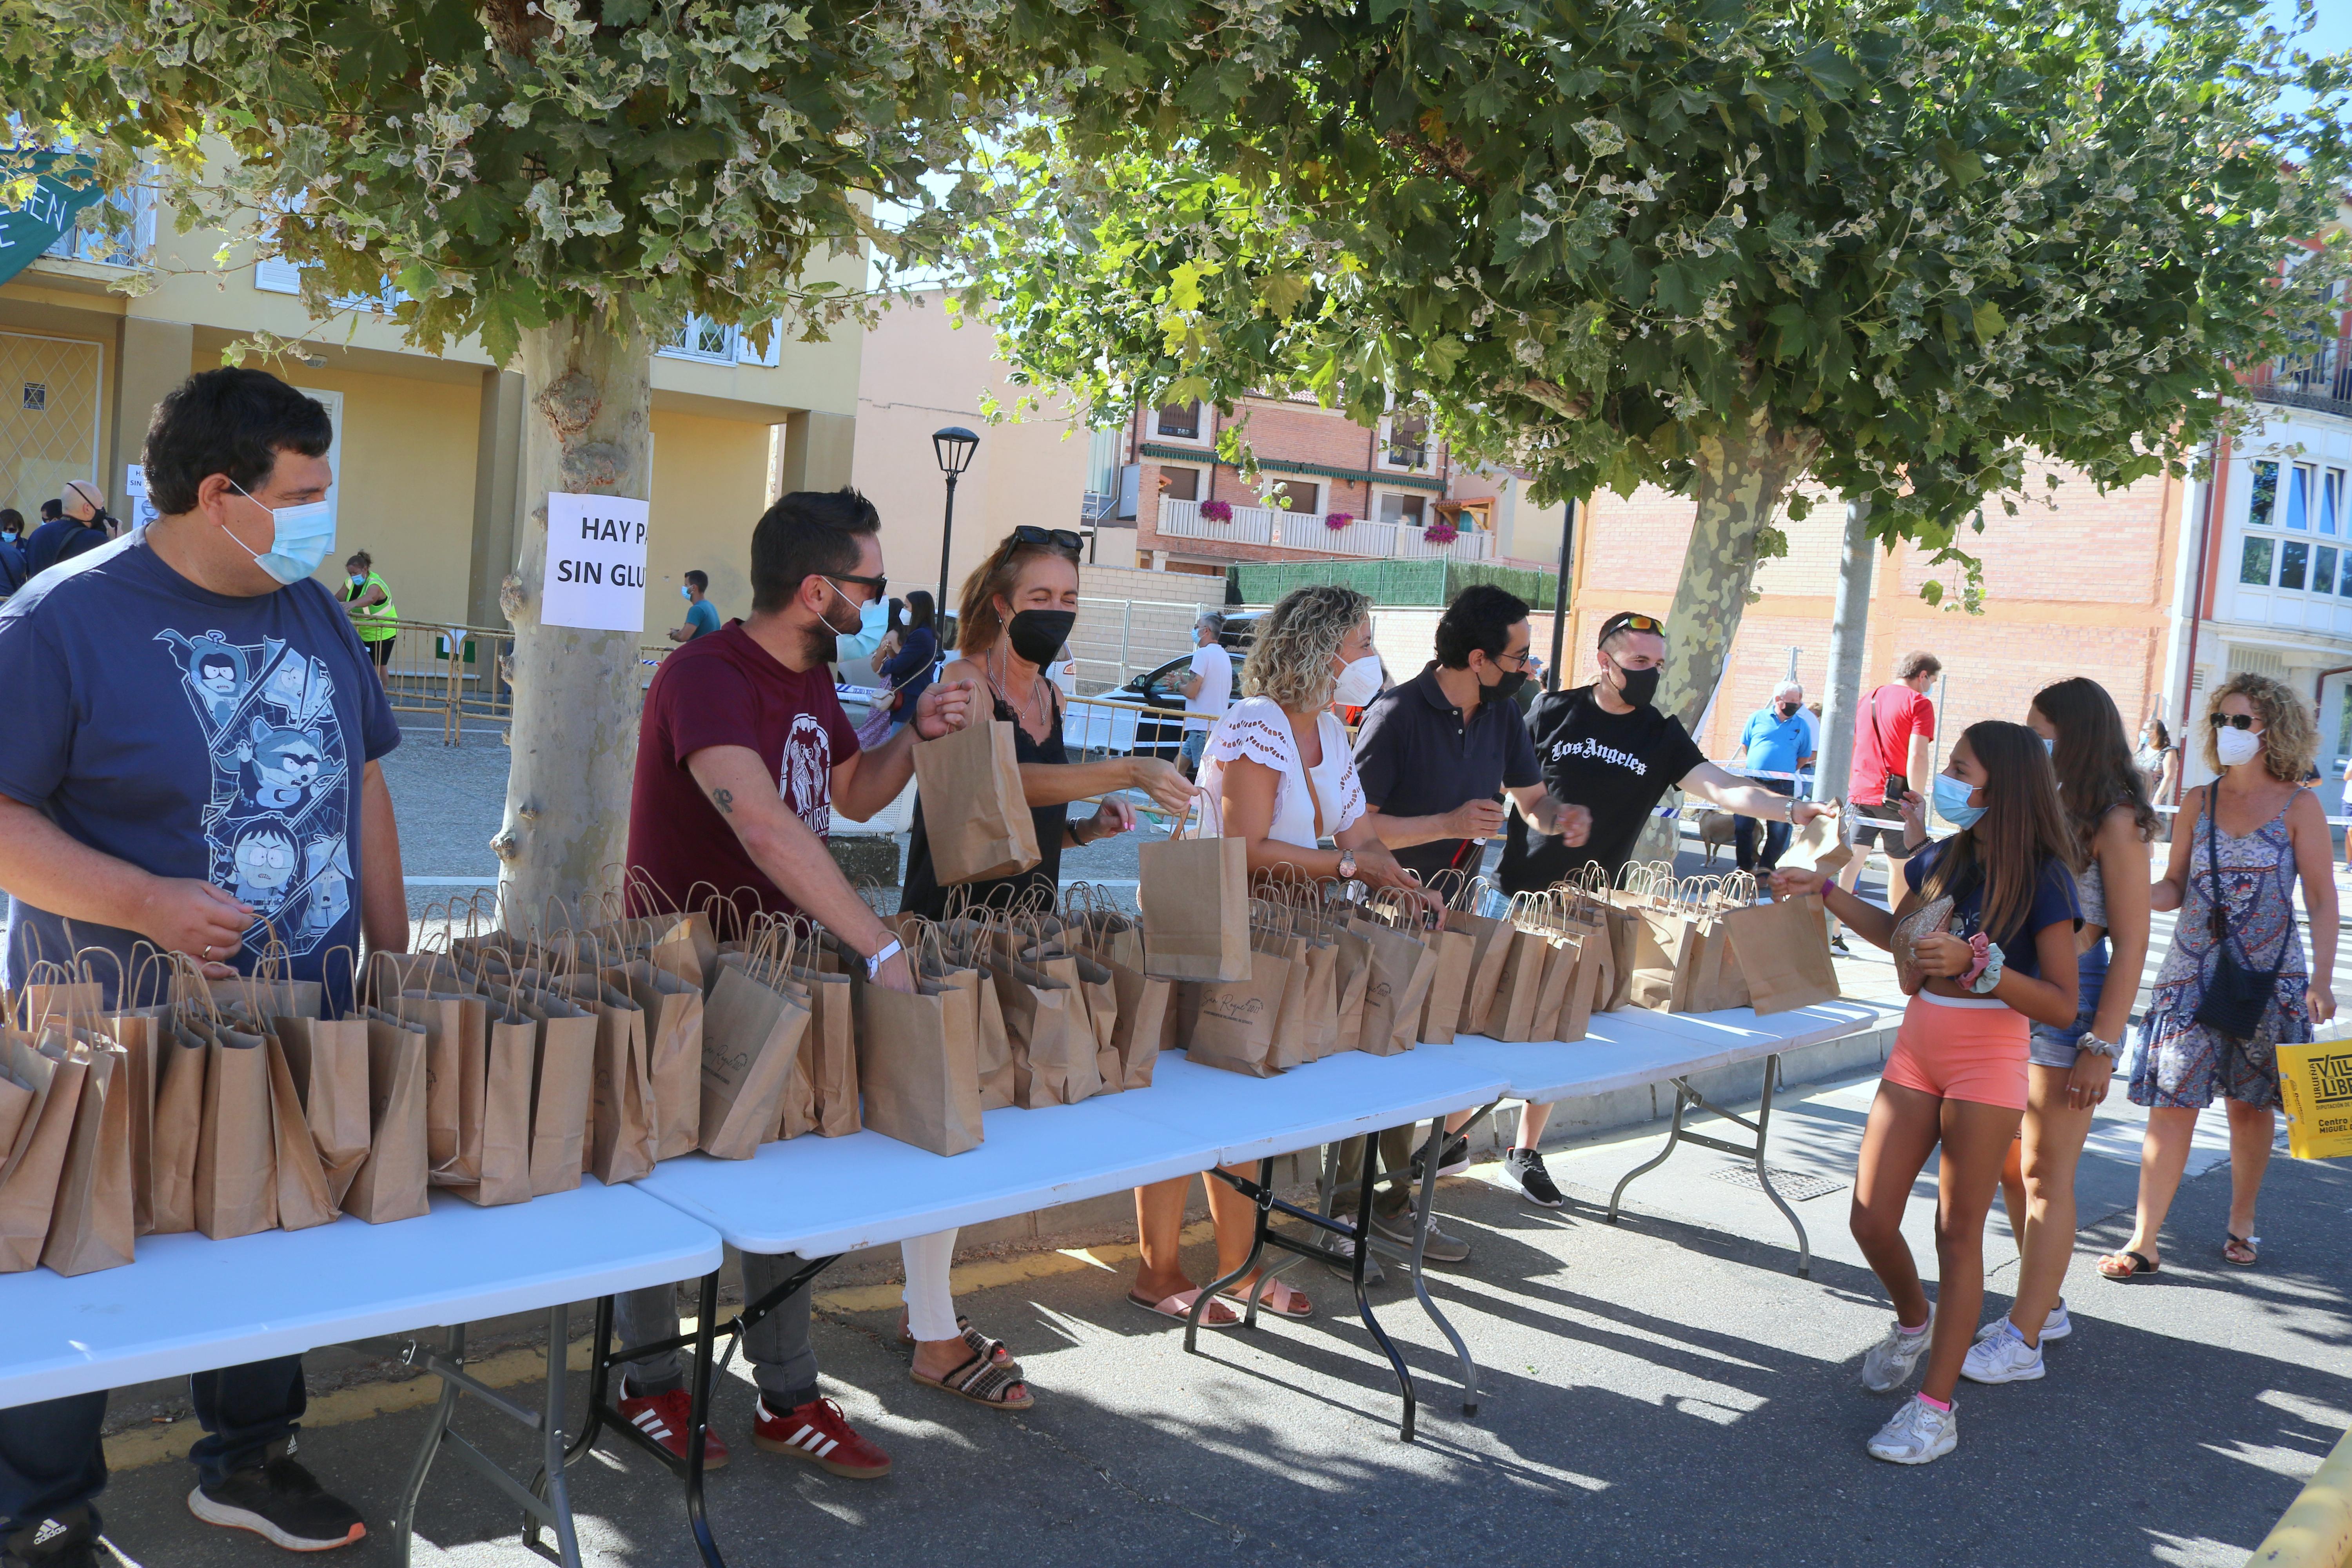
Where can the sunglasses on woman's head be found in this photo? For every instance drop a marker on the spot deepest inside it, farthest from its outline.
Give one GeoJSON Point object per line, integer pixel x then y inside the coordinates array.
{"type": "Point", "coordinates": [2234, 720]}
{"type": "Point", "coordinates": [1055, 537]}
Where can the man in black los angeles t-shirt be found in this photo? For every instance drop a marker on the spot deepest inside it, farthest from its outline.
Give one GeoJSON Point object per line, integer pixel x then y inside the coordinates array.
{"type": "Point", "coordinates": [1606, 748]}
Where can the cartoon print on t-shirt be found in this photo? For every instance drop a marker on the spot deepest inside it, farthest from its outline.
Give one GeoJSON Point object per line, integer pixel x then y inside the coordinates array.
{"type": "Point", "coordinates": [806, 783]}
{"type": "Point", "coordinates": [276, 767]}
{"type": "Point", "coordinates": [276, 823]}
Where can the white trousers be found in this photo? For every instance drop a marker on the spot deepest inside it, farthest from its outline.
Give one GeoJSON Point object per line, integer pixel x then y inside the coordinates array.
{"type": "Point", "coordinates": [930, 1304]}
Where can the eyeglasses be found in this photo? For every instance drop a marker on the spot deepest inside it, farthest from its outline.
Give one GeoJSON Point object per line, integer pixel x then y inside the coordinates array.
{"type": "Point", "coordinates": [1521, 657]}
{"type": "Point", "coordinates": [1055, 537]}
{"type": "Point", "coordinates": [881, 585]}
{"type": "Point", "coordinates": [2234, 720]}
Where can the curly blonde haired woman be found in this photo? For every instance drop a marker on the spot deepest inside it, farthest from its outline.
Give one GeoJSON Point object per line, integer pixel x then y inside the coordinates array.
{"type": "Point", "coordinates": [1278, 763]}
{"type": "Point", "coordinates": [2240, 844]}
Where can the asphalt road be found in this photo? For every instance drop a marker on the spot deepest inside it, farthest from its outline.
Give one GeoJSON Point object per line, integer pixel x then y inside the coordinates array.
{"type": "Point", "coordinates": [1664, 1391]}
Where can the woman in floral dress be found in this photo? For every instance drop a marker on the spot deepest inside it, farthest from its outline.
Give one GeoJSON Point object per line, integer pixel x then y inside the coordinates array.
{"type": "Point", "coordinates": [2268, 830]}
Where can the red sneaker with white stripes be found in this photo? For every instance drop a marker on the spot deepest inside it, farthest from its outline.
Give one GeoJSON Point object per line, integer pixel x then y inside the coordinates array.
{"type": "Point", "coordinates": [667, 1418]}
{"type": "Point", "coordinates": [819, 1433]}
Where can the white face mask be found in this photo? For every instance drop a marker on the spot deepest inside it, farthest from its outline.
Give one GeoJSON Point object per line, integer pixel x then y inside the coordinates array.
{"type": "Point", "coordinates": [1359, 682]}
{"type": "Point", "coordinates": [2235, 746]}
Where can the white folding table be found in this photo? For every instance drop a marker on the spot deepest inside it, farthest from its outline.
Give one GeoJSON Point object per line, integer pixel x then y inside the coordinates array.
{"type": "Point", "coordinates": [817, 1198]}
{"type": "Point", "coordinates": [188, 1304]}
{"type": "Point", "coordinates": [1633, 1046]}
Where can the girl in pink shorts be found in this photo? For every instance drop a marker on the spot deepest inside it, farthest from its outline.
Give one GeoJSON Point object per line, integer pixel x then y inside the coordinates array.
{"type": "Point", "coordinates": [1997, 956]}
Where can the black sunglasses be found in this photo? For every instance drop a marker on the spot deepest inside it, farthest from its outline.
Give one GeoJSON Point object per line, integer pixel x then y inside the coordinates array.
{"type": "Point", "coordinates": [1053, 538]}
{"type": "Point", "coordinates": [2234, 720]}
{"type": "Point", "coordinates": [881, 585]}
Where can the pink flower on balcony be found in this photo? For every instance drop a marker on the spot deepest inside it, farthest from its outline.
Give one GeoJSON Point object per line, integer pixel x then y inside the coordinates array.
{"type": "Point", "coordinates": [1336, 521]}
{"type": "Point", "coordinates": [1217, 511]}
{"type": "Point", "coordinates": [1442, 531]}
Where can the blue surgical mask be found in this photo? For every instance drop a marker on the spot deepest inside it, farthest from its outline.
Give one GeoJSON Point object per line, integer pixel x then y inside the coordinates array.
{"type": "Point", "coordinates": [302, 538]}
{"type": "Point", "coordinates": [359, 579]}
{"type": "Point", "coordinates": [873, 622]}
{"type": "Point", "coordinates": [685, 593]}
{"type": "Point", "coordinates": [1952, 801]}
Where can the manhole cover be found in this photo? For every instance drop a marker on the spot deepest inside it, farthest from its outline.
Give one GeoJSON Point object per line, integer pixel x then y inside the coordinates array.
{"type": "Point", "coordinates": [1796, 1185]}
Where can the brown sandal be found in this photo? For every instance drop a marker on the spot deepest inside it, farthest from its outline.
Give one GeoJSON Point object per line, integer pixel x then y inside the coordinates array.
{"type": "Point", "coordinates": [982, 1384]}
{"type": "Point", "coordinates": [2136, 1266]}
{"type": "Point", "coordinates": [2233, 1244]}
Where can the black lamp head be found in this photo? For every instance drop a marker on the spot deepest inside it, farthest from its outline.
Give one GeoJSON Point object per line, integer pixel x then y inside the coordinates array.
{"type": "Point", "coordinates": [954, 445]}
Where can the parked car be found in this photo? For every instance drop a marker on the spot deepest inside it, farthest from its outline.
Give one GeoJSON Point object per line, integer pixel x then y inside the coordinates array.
{"type": "Point", "coordinates": [1104, 731]}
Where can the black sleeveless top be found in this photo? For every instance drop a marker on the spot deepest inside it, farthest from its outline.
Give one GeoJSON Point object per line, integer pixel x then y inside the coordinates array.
{"type": "Point", "coordinates": [924, 896]}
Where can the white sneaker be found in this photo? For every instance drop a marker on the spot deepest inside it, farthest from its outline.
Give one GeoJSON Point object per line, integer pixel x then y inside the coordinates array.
{"type": "Point", "coordinates": [2003, 1356]}
{"type": "Point", "coordinates": [1917, 1434]}
{"type": "Point", "coordinates": [1889, 1363]}
{"type": "Point", "coordinates": [2057, 1326]}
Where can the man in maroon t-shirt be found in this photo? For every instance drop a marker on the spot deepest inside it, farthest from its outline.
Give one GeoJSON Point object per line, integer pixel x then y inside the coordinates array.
{"type": "Point", "coordinates": [1892, 733]}
{"type": "Point", "coordinates": [742, 752]}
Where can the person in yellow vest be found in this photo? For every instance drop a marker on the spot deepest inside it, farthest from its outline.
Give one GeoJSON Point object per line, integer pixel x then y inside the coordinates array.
{"type": "Point", "coordinates": [369, 603]}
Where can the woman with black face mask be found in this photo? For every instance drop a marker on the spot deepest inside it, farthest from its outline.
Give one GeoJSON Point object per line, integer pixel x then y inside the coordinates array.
{"type": "Point", "coordinates": [1017, 609]}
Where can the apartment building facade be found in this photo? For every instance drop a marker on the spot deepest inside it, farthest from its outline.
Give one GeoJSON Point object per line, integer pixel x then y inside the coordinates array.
{"type": "Point", "coordinates": [1326, 487]}
{"type": "Point", "coordinates": [427, 447]}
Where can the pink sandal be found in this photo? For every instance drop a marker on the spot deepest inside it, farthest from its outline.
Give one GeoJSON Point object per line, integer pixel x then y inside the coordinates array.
{"type": "Point", "coordinates": [1275, 1296]}
{"type": "Point", "coordinates": [1178, 1309]}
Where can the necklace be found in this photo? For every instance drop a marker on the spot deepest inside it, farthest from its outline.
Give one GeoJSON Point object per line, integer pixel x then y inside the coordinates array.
{"type": "Point", "coordinates": [1020, 709]}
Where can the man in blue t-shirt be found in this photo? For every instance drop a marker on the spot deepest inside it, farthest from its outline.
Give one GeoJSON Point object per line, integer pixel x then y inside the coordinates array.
{"type": "Point", "coordinates": [1777, 740]}
{"type": "Point", "coordinates": [191, 759]}
{"type": "Point", "coordinates": [701, 614]}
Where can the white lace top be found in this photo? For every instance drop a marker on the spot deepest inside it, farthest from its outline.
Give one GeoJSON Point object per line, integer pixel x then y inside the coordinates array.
{"type": "Point", "coordinates": [1257, 729]}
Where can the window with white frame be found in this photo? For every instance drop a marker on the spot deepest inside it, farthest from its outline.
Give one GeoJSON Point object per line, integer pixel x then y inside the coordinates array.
{"type": "Point", "coordinates": [1391, 506]}
{"type": "Point", "coordinates": [714, 342]}
{"type": "Point", "coordinates": [1404, 441]}
{"type": "Point", "coordinates": [1181, 420]}
{"type": "Point", "coordinates": [275, 276]}
{"type": "Point", "coordinates": [2285, 499]}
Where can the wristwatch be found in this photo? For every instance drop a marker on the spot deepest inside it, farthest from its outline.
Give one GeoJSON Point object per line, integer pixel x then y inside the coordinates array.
{"type": "Point", "coordinates": [1347, 864]}
{"type": "Point", "coordinates": [890, 950]}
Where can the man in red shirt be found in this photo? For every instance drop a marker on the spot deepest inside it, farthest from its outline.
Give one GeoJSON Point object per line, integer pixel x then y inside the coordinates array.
{"type": "Point", "coordinates": [1894, 733]}
{"type": "Point", "coordinates": [742, 752]}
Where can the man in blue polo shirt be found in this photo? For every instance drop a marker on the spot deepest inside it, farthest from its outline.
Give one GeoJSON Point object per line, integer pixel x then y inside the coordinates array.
{"type": "Point", "coordinates": [1778, 740]}
{"type": "Point", "coordinates": [1435, 754]}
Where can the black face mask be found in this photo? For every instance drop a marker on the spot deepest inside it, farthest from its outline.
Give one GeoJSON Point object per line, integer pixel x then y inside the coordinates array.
{"type": "Point", "coordinates": [1787, 710]}
{"type": "Point", "coordinates": [1506, 686]}
{"type": "Point", "coordinates": [1641, 685]}
{"type": "Point", "coordinates": [1036, 635]}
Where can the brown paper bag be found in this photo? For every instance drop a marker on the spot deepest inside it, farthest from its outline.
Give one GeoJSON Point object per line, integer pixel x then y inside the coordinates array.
{"type": "Point", "coordinates": [304, 1198]}
{"type": "Point", "coordinates": [329, 1062]}
{"type": "Point", "coordinates": [1098, 993]}
{"type": "Point", "coordinates": [562, 1087]}
{"type": "Point", "coordinates": [90, 1225]}
{"type": "Point", "coordinates": [1718, 982]}
{"type": "Point", "coordinates": [181, 1055]}
{"type": "Point", "coordinates": [1054, 1060]}
{"type": "Point", "coordinates": [751, 1034]}
{"type": "Point", "coordinates": [1663, 942]}
{"type": "Point", "coordinates": [831, 1051]}
{"type": "Point", "coordinates": [491, 1059]}
{"type": "Point", "coordinates": [50, 1081]}
{"type": "Point", "coordinates": [1351, 979]}
{"type": "Point", "coordinates": [974, 813]}
{"type": "Point", "coordinates": [917, 1065]}
{"type": "Point", "coordinates": [621, 1138]}
{"type": "Point", "coordinates": [236, 1164]}
{"type": "Point", "coordinates": [1819, 846]}
{"type": "Point", "coordinates": [1292, 1042]}
{"type": "Point", "coordinates": [1196, 899]}
{"type": "Point", "coordinates": [1230, 1024]}
{"type": "Point", "coordinates": [140, 1032]}
{"type": "Point", "coordinates": [1783, 949]}
{"type": "Point", "coordinates": [1489, 945]}
{"type": "Point", "coordinates": [1402, 968]}
{"type": "Point", "coordinates": [1449, 982]}
{"type": "Point", "coordinates": [673, 1008]}
{"type": "Point", "coordinates": [392, 1182]}
{"type": "Point", "coordinates": [1143, 1012]}
{"type": "Point", "coordinates": [1519, 989]}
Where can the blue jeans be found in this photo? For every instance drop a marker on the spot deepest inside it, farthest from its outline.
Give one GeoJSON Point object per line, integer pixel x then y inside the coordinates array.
{"type": "Point", "coordinates": [50, 1459]}
{"type": "Point", "coordinates": [1776, 834]}
{"type": "Point", "coordinates": [2053, 1048]}
{"type": "Point", "coordinates": [1196, 741]}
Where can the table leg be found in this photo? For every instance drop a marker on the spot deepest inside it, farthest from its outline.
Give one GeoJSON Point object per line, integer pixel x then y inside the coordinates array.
{"type": "Point", "coordinates": [697, 1425]}
{"type": "Point", "coordinates": [1687, 1097]}
{"type": "Point", "coordinates": [404, 1522]}
{"type": "Point", "coordinates": [1430, 1156]}
{"type": "Point", "coordinates": [1208, 1292]}
{"type": "Point", "coordinates": [1361, 1233]}
{"type": "Point", "coordinates": [549, 1485]}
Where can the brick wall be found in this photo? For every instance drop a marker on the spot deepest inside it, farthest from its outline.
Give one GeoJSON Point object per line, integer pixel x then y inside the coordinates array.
{"type": "Point", "coordinates": [2082, 587]}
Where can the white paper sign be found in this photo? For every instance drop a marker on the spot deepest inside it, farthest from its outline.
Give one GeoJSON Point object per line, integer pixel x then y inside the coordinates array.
{"type": "Point", "coordinates": [595, 563]}
{"type": "Point", "coordinates": [134, 489]}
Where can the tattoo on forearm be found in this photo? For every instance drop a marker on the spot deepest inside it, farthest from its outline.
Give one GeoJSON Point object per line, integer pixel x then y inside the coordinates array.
{"type": "Point", "coordinates": [724, 799]}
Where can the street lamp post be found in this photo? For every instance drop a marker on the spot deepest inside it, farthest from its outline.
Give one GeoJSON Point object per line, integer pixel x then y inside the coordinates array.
{"type": "Point", "coordinates": [953, 447]}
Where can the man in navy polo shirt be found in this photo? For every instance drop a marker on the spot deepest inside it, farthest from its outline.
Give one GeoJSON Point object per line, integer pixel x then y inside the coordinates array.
{"type": "Point", "coordinates": [1435, 755]}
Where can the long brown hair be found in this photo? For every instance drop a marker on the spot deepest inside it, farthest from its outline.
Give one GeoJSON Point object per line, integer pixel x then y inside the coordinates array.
{"type": "Point", "coordinates": [2021, 827]}
{"type": "Point", "coordinates": [977, 625]}
{"type": "Point", "coordinates": [2093, 760]}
